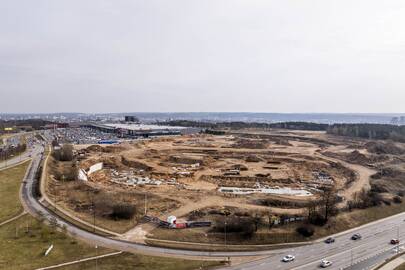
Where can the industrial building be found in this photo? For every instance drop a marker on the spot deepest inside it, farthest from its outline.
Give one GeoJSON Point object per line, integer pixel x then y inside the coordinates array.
{"type": "Point", "coordinates": [141, 130]}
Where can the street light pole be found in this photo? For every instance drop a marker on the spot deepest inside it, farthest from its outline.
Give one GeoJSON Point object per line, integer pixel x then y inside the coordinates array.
{"type": "Point", "coordinates": [225, 230]}
{"type": "Point", "coordinates": [398, 239]}
{"type": "Point", "coordinates": [351, 258]}
{"type": "Point", "coordinates": [94, 215]}
{"type": "Point", "coordinates": [96, 256]}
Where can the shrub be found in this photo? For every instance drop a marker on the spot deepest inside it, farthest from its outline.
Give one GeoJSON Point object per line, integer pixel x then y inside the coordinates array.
{"type": "Point", "coordinates": [245, 227]}
{"type": "Point", "coordinates": [317, 219]}
{"type": "Point", "coordinates": [123, 211]}
{"type": "Point", "coordinates": [397, 199]}
{"type": "Point", "coordinates": [306, 230]}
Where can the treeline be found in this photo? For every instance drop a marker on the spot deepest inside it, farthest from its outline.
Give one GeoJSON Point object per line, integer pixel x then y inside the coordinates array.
{"type": "Point", "coordinates": [64, 153]}
{"type": "Point", "coordinates": [34, 123]}
{"type": "Point", "coordinates": [241, 125]}
{"type": "Point", "coordinates": [369, 131]}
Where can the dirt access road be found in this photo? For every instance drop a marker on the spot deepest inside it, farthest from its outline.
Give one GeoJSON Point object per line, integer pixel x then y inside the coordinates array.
{"type": "Point", "coordinates": [362, 181]}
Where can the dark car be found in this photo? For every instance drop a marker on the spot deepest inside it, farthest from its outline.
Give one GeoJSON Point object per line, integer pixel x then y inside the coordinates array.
{"type": "Point", "coordinates": [330, 240]}
{"type": "Point", "coordinates": [356, 236]}
{"type": "Point", "coordinates": [394, 241]}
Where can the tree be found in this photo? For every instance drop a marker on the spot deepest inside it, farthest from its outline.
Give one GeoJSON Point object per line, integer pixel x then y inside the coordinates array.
{"type": "Point", "coordinates": [328, 203]}
{"type": "Point", "coordinates": [53, 223]}
{"type": "Point", "coordinates": [123, 211]}
{"type": "Point", "coordinates": [319, 211]}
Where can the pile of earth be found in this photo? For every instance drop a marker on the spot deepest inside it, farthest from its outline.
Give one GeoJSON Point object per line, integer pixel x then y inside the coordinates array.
{"type": "Point", "coordinates": [389, 172]}
{"type": "Point", "coordinates": [388, 179]}
{"type": "Point", "coordinates": [182, 159]}
{"type": "Point", "coordinates": [107, 149]}
{"type": "Point", "coordinates": [250, 144]}
{"type": "Point", "coordinates": [253, 158]}
{"type": "Point", "coordinates": [357, 158]}
{"type": "Point", "coordinates": [136, 164]}
{"type": "Point", "coordinates": [384, 148]}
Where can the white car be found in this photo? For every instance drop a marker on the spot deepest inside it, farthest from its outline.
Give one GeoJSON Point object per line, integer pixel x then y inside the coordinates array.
{"type": "Point", "coordinates": [288, 258]}
{"type": "Point", "coordinates": [325, 263]}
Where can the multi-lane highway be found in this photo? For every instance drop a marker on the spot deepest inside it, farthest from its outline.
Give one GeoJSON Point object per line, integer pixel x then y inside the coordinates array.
{"type": "Point", "coordinates": [31, 146]}
{"type": "Point", "coordinates": [373, 248]}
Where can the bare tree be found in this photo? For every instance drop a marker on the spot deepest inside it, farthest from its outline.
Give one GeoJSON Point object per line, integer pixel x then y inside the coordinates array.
{"type": "Point", "coordinates": [328, 203]}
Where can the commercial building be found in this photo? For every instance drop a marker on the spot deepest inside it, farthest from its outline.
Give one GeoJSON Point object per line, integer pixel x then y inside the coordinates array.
{"type": "Point", "coordinates": [131, 119]}
{"type": "Point", "coordinates": [141, 130]}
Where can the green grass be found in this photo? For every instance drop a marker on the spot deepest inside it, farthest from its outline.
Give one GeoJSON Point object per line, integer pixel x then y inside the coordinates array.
{"type": "Point", "coordinates": [22, 249]}
{"type": "Point", "coordinates": [130, 261]}
{"type": "Point", "coordinates": [24, 241]}
{"type": "Point", "coordinates": [10, 182]}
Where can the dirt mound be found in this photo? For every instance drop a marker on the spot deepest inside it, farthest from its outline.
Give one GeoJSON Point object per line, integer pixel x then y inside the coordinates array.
{"type": "Point", "coordinates": [107, 149]}
{"type": "Point", "coordinates": [136, 164]}
{"type": "Point", "coordinates": [388, 179]}
{"type": "Point", "coordinates": [388, 172]}
{"type": "Point", "coordinates": [239, 167]}
{"type": "Point", "coordinates": [253, 158]}
{"type": "Point", "coordinates": [281, 141]}
{"type": "Point", "coordinates": [95, 148]}
{"type": "Point", "coordinates": [185, 160]}
{"type": "Point", "coordinates": [109, 162]}
{"type": "Point", "coordinates": [387, 148]}
{"type": "Point", "coordinates": [113, 149]}
{"type": "Point", "coordinates": [356, 157]}
{"type": "Point", "coordinates": [112, 162]}
{"type": "Point", "coordinates": [251, 144]}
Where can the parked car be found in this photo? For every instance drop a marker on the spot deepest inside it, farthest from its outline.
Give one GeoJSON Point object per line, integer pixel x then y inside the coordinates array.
{"type": "Point", "coordinates": [394, 241]}
{"type": "Point", "coordinates": [325, 263]}
{"type": "Point", "coordinates": [330, 240]}
{"type": "Point", "coordinates": [356, 236]}
{"type": "Point", "coordinates": [288, 258]}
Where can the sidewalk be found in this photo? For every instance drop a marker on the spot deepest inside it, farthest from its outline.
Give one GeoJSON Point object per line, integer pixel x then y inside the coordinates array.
{"type": "Point", "coordinates": [13, 218]}
{"type": "Point", "coordinates": [80, 261]}
{"type": "Point", "coordinates": [394, 263]}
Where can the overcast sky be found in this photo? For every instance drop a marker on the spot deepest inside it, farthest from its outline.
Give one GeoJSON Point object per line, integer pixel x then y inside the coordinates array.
{"type": "Point", "coordinates": [206, 55]}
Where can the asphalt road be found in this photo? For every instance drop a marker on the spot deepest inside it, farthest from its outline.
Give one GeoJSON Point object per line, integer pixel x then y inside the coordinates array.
{"type": "Point", "coordinates": [373, 248]}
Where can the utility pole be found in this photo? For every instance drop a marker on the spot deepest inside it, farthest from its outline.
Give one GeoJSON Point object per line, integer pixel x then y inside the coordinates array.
{"type": "Point", "coordinates": [146, 199]}
{"type": "Point", "coordinates": [94, 215]}
{"type": "Point", "coordinates": [398, 239]}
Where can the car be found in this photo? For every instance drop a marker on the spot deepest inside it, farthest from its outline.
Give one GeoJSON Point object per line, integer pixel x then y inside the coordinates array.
{"type": "Point", "coordinates": [330, 240]}
{"type": "Point", "coordinates": [325, 263]}
{"type": "Point", "coordinates": [356, 236]}
{"type": "Point", "coordinates": [288, 258]}
{"type": "Point", "coordinates": [394, 241]}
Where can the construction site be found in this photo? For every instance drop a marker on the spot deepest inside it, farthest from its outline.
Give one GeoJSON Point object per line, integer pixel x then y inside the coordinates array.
{"type": "Point", "coordinates": [252, 183]}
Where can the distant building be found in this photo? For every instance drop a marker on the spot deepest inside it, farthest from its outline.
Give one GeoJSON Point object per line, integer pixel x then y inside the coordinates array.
{"type": "Point", "coordinates": [131, 119]}
{"type": "Point", "coordinates": [141, 130]}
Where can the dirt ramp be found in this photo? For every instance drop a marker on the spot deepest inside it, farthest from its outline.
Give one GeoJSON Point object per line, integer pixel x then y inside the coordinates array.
{"type": "Point", "coordinates": [387, 148]}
